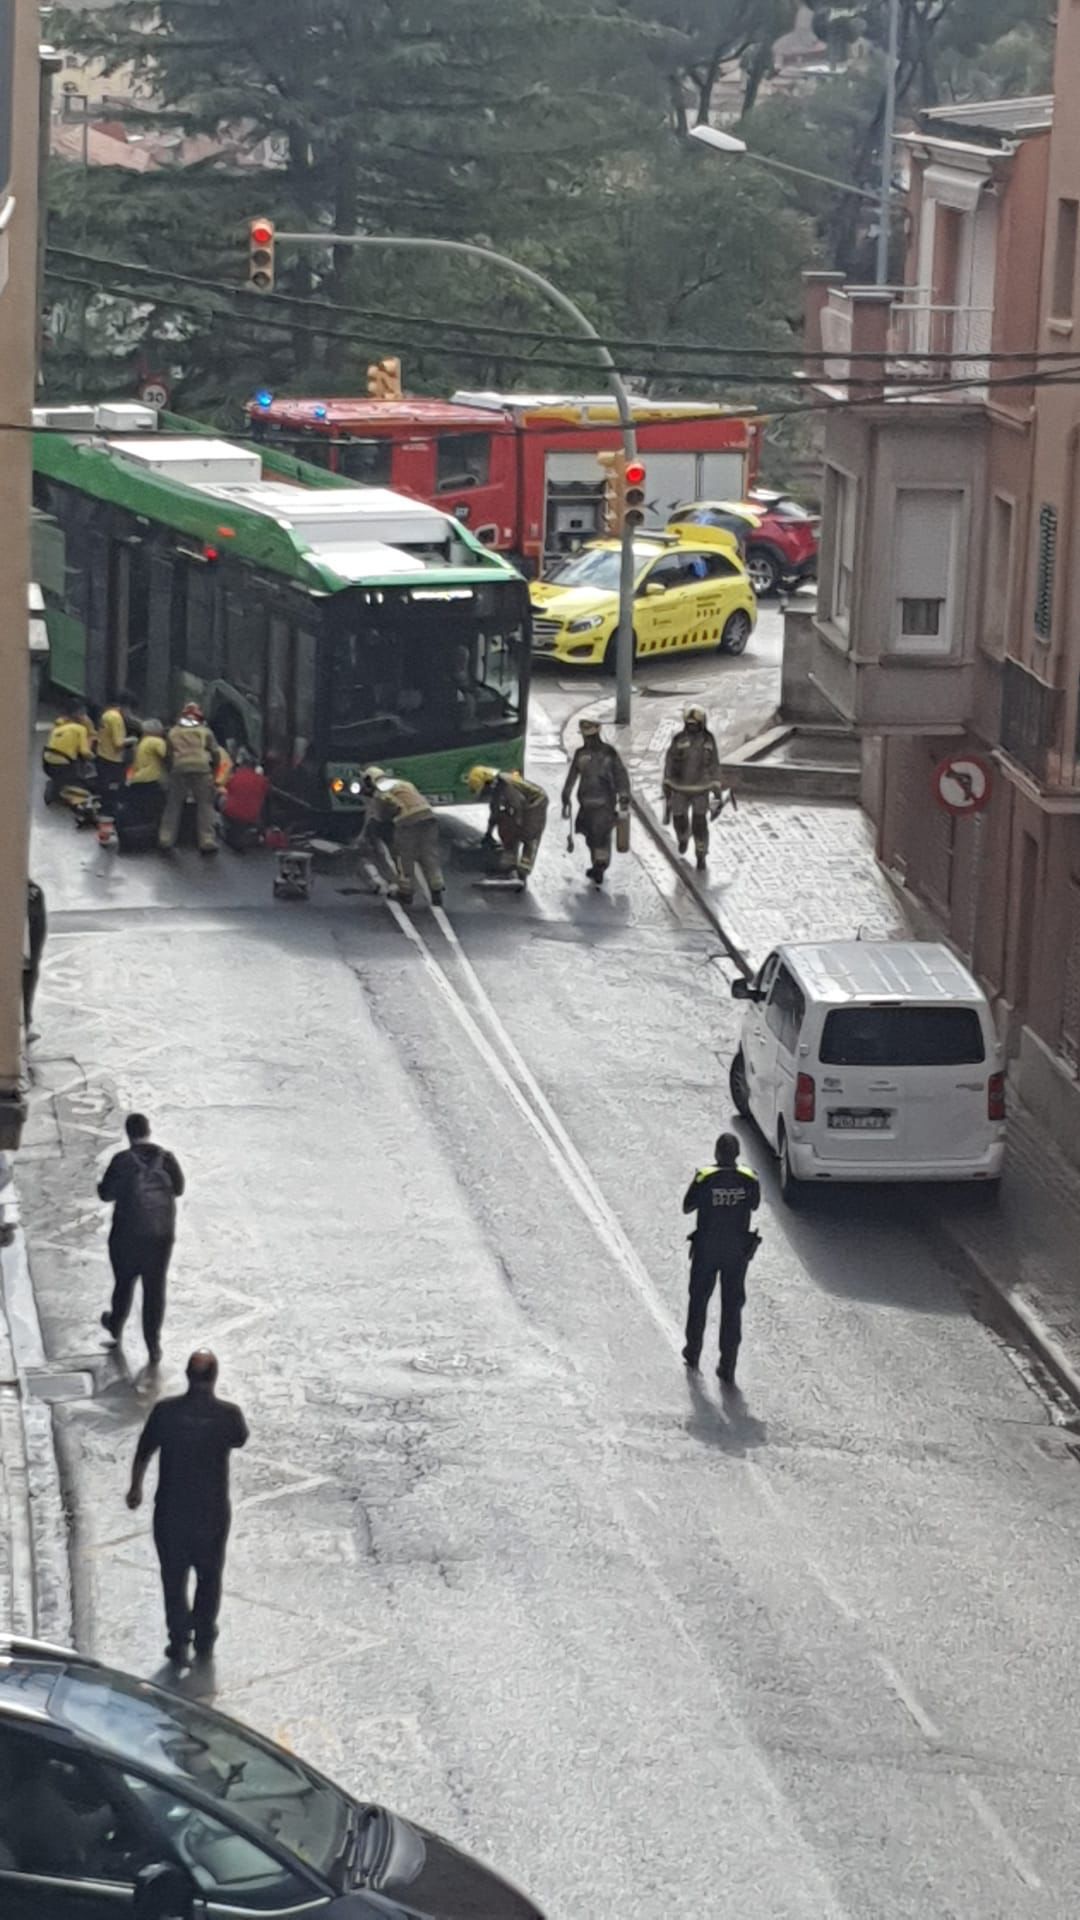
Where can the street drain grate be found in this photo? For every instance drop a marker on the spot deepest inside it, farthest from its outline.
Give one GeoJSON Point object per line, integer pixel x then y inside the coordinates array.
{"type": "Point", "coordinates": [60, 1386]}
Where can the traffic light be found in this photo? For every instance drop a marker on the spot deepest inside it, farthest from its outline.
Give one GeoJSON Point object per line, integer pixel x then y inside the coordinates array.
{"type": "Point", "coordinates": [261, 236]}
{"type": "Point", "coordinates": [384, 379]}
{"type": "Point", "coordinates": [614, 465]}
{"type": "Point", "coordinates": [633, 494]}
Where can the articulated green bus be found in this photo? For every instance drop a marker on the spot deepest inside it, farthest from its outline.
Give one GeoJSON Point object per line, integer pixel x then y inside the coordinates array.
{"type": "Point", "coordinates": [320, 624]}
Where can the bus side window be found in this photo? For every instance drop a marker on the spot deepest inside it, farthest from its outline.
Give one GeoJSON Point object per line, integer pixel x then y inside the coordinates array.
{"type": "Point", "coordinates": [200, 652]}
{"type": "Point", "coordinates": [276, 709]}
{"type": "Point", "coordinates": [159, 628]}
{"type": "Point", "coordinates": [245, 641]}
{"type": "Point", "coordinates": [304, 669]}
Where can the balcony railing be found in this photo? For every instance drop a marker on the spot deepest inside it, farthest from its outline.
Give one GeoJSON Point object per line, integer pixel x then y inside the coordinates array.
{"type": "Point", "coordinates": [920, 333]}
{"type": "Point", "coordinates": [1033, 727]}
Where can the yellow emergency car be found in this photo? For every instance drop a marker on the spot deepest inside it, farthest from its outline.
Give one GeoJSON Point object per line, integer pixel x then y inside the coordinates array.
{"type": "Point", "coordinates": [689, 595]}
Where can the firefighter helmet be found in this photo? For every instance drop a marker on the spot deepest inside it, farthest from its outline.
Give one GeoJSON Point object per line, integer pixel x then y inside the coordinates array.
{"type": "Point", "coordinates": [478, 778]}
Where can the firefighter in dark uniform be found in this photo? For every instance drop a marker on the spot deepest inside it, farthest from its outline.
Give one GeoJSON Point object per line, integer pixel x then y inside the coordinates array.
{"type": "Point", "coordinates": [603, 786]}
{"type": "Point", "coordinates": [691, 776]}
{"type": "Point", "coordinates": [725, 1197]}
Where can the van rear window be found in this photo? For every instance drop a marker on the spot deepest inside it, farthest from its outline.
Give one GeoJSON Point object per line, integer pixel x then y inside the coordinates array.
{"type": "Point", "coordinates": [902, 1037]}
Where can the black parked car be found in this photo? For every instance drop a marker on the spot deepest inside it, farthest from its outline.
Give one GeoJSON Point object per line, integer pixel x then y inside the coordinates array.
{"type": "Point", "coordinates": [119, 1798]}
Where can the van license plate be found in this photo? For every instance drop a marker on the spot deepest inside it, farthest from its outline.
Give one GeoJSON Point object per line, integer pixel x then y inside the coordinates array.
{"type": "Point", "coordinates": [856, 1120]}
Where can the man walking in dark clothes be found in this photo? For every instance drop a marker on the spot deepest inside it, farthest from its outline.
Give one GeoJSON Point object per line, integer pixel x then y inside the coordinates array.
{"type": "Point", "coordinates": [194, 1432]}
{"type": "Point", "coordinates": [144, 1183]}
{"type": "Point", "coordinates": [724, 1197]}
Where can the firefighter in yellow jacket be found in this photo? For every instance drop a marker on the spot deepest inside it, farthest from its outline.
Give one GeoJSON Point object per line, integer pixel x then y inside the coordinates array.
{"type": "Point", "coordinates": [518, 814]}
{"type": "Point", "coordinates": [193, 758]}
{"type": "Point", "coordinates": [397, 804]}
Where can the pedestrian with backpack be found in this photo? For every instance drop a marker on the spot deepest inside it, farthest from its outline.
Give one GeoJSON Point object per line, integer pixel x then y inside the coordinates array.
{"type": "Point", "coordinates": [143, 1183]}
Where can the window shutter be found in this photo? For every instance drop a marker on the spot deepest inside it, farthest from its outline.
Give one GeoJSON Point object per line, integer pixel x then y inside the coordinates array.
{"type": "Point", "coordinates": [925, 532]}
{"type": "Point", "coordinates": [1044, 581]}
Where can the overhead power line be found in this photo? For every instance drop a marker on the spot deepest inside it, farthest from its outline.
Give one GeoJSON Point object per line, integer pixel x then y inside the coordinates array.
{"type": "Point", "coordinates": [866, 388]}
{"type": "Point", "coordinates": [384, 316]}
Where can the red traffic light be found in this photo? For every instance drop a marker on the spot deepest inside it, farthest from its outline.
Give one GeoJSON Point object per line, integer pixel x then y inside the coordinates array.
{"type": "Point", "coordinates": [262, 233]}
{"type": "Point", "coordinates": [635, 474]}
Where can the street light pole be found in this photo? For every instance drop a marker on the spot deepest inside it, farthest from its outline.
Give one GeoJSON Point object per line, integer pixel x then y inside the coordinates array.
{"type": "Point", "coordinates": [49, 64]}
{"type": "Point", "coordinates": [731, 144]}
{"type": "Point", "coordinates": [881, 198]}
{"type": "Point", "coordinates": [888, 131]}
{"type": "Point", "coordinates": [624, 656]}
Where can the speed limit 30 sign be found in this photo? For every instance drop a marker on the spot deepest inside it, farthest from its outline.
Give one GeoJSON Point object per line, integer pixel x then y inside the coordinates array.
{"type": "Point", "coordinates": [962, 783]}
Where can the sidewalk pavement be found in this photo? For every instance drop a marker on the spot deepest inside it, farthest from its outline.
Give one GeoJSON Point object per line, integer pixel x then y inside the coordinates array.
{"type": "Point", "coordinates": [793, 870]}
{"type": "Point", "coordinates": [35, 1583]}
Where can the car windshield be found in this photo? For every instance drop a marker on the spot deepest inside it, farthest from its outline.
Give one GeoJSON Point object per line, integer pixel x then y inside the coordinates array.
{"type": "Point", "coordinates": [902, 1037]}
{"type": "Point", "coordinates": [597, 567]}
{"type": "Point", "coordinates": [177, 1739]}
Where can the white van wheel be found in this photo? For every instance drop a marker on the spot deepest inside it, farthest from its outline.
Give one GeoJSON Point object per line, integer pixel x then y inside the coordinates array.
{"type": "Point", "coordinates": [740, 1091]}
{"type": "Point", "coordinates": [791, 1187]}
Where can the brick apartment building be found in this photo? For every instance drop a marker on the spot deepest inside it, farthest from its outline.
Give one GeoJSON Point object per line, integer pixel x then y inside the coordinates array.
{"type": "Point", "coordinates": [948, 611]}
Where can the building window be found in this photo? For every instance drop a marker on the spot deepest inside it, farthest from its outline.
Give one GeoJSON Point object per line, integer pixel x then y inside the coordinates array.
{"type": "Point", "coordinates": [840, 508]}
{"type": "Point", "coordinates": [921, 618]}
{"type": "Point", "coordinates": [1044, 573]}
{"type": "Point", "coordinates": [999, 572]}
{"type": "Point", "coordinates": [925, 548]}
{"type": "Point", "coordinates": [1065, 259]}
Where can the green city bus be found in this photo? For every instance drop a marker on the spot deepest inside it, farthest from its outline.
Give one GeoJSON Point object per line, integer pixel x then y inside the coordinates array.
{"type": "Point", "coordinates": [322, 625]}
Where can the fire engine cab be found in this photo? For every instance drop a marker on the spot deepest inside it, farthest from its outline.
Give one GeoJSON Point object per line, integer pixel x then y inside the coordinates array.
{"type": "Point", "coordinates": [518, 469]}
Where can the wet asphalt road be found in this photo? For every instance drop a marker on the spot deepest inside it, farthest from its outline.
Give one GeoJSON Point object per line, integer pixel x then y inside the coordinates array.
{"type": "Point", "coordinates": [809, 1651]}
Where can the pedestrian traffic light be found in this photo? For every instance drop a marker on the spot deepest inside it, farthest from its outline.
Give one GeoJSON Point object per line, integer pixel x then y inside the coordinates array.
{"type": "Point", "coordinates": [634, 494]}
{"type": "Point", "coordinates": [614, 465]}
{"type": "Point", "coordinates": [384, 379]}
{"type": "Point", "coordinates": [261, 237]}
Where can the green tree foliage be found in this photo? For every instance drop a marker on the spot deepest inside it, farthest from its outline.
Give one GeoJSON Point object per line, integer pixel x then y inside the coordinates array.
{"type": "Point", "coordinates": [943, 43]}
{"type": "Point", "coordinates": [948, 50]}
{"type": "Point", "coordinates": [538, 128]}
{"type": "Point", "coordinates": [697, 43]}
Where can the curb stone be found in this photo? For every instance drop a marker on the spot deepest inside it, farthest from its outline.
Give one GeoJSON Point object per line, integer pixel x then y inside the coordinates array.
{"type": "Point", "coordinates": [35, 1576]}
{"type": "Point", "coordinates": [1024, 1319]}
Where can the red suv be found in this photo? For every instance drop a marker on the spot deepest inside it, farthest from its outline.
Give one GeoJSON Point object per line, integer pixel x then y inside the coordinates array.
{"type": "Point", "coordinates": [777, 537]}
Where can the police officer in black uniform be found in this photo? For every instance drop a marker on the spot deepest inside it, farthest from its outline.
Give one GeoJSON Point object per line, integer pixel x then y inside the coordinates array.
{"type": "Point", "coordinates": [725, 1197]}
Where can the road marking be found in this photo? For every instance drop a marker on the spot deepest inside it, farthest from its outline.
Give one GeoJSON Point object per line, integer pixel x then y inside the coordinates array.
{"type": "Point", "coordinates": [536, 1111]}
{"type": "Point", "coordinates": [906, 1695]}
{"type": "Point", "coordinates": [581, 1183]}
{"type": "Point", "coordinates": [1004, 1839]}
{"type": "Point", "coordinates": [283, 1493]}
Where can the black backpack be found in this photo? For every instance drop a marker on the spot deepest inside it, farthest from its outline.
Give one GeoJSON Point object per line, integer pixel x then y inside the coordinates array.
{"type": "Point", "coordinates": [151, 1207]}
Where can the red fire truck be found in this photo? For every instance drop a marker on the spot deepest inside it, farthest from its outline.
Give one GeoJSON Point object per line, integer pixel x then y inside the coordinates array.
{"type": "Point", "coordinates": [519, 469]}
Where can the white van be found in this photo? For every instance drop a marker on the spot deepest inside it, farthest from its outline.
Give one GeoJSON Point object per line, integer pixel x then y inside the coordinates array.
{"type": "Point", "coordinates": [865, 1060]}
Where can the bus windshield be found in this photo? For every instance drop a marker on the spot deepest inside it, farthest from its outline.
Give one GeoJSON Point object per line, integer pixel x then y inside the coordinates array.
{"type": "Point", "coordinates": [415, 670]}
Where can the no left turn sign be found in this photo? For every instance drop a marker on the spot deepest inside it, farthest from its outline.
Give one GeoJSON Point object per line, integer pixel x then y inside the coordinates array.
{"type": "Point", "coordinates": [962, 783]}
